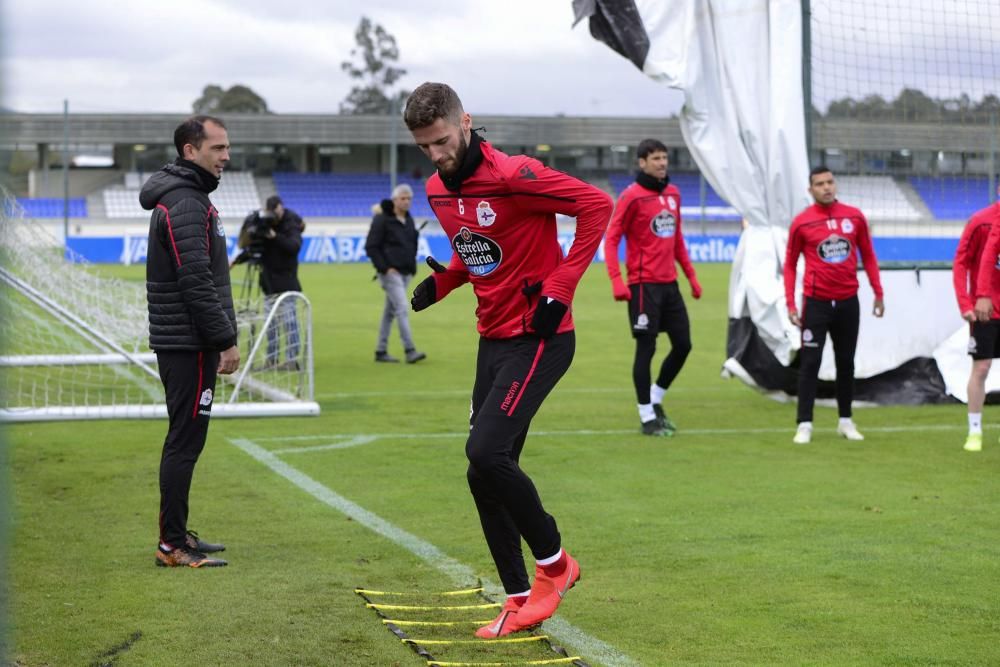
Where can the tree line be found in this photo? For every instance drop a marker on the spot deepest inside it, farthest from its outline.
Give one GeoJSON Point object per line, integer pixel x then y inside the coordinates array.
{"type": "Point", "coordinates": [912, 105]}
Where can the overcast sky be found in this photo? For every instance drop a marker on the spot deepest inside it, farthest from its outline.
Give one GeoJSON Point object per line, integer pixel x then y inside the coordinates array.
{"type": "Point", "coordinates": [144, 56]}
{"type": "Point", "coordinates": [502, 56]}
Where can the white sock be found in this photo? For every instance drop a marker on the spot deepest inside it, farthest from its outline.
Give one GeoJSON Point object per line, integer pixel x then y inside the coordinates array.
{"type": "Point", "coordinates": [519, 595]}
{"type": "Point", "coordinates": [656, 393]}
{"type": "Point", "coordinates": [646, 412]}
{"type": "Point", "coordinates": [550, 559]}
{"type": "Point", "coordinates": [808, 425]}
{"type": "Point", "coordinates": [164, 547]}
{"type": "Point", "coordinates": [975, 423]}
{"type": "Point", "coordinates": [846, 421]}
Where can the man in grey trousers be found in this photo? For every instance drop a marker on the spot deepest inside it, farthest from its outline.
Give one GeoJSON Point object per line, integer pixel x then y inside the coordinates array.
{"type": "Point", "coordinates": [392, 247]}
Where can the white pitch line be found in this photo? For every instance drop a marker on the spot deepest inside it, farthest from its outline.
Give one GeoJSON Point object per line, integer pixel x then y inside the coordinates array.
{"type": "Point", "coordinates": [468, 392]}
{"type": "Point", "coordinates": [355, 439]}
{"type": "Point", "coordinates": [459, 573]}
{"type": "Point", "coordinates": [344, 444]}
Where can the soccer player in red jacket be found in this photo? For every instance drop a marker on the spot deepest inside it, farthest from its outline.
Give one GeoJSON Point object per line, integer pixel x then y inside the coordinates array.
{"type": "Point", "coordinates": [648, 217]}
{"type": "Point", "coordinates": [829, 235]}
{"type": "Point", "coordinates": [975, 261]}
{"type": "Point", "coordinates": [499, 213]}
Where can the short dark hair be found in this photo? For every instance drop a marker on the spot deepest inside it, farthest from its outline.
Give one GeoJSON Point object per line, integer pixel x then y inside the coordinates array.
{"type": "Point", "coordinates": [429, 102]}
{"type": "Point", "coordinates": [273, 202]}
{"type": "Point", "coordinates": [192, 131]}
{"type": "Point", "coordinates": [647, 146]}
{"type": "Point", "coordinates": [817, 170]}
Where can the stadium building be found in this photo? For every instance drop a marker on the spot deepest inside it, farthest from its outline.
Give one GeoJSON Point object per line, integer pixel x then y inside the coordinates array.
{"type": "Point", "coordinates": [911, 179]}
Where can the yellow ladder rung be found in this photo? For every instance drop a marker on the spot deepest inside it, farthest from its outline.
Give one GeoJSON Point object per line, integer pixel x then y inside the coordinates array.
{"type": "Point", "coordinates": [433, 623]}
{"type": "Point", "coordinates": [374, 605]}
{"type": "Point", "coordinates": [556, 661]}
{"type": "Point", "coordinates": [502, 640]}
{"type": "Point", "coordinates": [466, 591]}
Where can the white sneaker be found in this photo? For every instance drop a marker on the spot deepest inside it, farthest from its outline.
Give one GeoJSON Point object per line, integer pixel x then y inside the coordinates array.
{"type": "Point", "coordinates": [849, 431]}
{"type": "Point", "coordinates": [803, 434]}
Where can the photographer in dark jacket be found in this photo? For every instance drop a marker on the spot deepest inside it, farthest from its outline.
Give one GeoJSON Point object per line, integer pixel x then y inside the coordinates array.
{"type": "Point", "coordinates": [271, 240]}
{"type": "Point", "coordinates": [392, 247]}
{"type": "Point", "coordinates": [192, 323]}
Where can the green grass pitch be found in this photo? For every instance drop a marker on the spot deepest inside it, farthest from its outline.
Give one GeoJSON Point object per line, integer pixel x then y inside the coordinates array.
{"type": "Point", "coordinates": [726, 544]}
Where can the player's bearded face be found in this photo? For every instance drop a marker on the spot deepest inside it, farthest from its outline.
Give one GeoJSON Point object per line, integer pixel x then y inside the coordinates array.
{"type": "Point", "coordinates": [450, 162]}
{"type": "Point", "coordinates": [444, 143]}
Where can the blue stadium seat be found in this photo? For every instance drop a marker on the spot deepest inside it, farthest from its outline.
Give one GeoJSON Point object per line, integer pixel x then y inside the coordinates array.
{"type": "Point", "coordinates": [52, 207]}
{"type": "Point", "coordinates": [329, 195]}
{"type": "Point", "coordinates": [952, 197]}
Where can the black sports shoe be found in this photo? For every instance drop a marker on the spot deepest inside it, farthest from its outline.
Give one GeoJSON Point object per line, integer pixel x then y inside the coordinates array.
{"type": "Point", "coordinates": [413, 356]}
{"type": "Point", "coordinates": [386, 358]}
{"type": "Point", "coordinates": [185, 557]}
{"type": "Point", "coordinates": [654, 427]}
{"type": "Point", "coordinates": [194, 542]}
{"type": "Point", "coordinates": [664, 420]}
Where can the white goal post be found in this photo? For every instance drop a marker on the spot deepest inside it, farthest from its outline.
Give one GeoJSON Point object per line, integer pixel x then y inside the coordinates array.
{"type": "Point", "coordinates": [75, 342]}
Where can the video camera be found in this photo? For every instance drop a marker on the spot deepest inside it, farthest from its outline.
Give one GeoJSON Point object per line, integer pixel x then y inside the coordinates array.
{"type": "Point", "coordinates": [257, 228]}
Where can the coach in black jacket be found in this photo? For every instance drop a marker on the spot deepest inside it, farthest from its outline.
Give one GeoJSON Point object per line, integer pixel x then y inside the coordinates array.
{"type": "Point", "coordinates": [192, 323]}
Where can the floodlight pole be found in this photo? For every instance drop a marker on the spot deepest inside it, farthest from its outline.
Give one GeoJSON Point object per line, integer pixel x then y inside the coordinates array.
{"type": "Point", "coordinates": [807, 75]}
{"type": "Point", "coordinates": [393, 142]}
{"type": "Point", "coordinates": [993, 156]}
{"type": "Point", "coordinates": [65, 161]}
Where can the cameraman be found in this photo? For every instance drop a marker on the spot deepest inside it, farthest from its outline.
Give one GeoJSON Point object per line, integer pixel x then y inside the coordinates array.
{"type": "Point", "coordinates": [271, 238]}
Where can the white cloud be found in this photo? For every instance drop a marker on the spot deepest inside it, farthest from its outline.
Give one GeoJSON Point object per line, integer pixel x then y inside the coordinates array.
{"type": "Point", "coordinates": [510, 57]}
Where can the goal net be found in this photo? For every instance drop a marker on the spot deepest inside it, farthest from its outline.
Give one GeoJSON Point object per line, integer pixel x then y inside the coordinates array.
{"type": "Point", "coordinates": [76, 341]}
{"type": "Point", "coordinates": [905, 112]}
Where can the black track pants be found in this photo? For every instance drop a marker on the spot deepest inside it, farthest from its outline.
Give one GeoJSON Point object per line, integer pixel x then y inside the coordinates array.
{"type": "Point", "coordinates": [513, 377]}
{"type": "Point", "coordinates": [840, 319]}
{"type": "Point", "coordinates": [189, 381]}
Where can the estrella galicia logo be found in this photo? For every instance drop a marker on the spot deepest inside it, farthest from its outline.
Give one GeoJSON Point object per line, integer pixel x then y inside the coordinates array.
{"type": "Point", "coordinates": [664, 224]}
{"type": "Point", "coordinates": [219, 229]}
{"type": "Point", "coordinates": [480, 254]}
{"type": "Point", "coordinates": [834, 249]}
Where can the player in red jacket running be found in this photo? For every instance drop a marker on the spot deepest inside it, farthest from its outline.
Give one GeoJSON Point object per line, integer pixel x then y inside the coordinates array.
{"type": "Point", "coordinates": [499, 212]}
{"type": "Point", "coordinates": [829, 235]}
{"type": "Point", "coordinates": [976, 260]}
{"type": "Point", "coordinates": [648, 216]}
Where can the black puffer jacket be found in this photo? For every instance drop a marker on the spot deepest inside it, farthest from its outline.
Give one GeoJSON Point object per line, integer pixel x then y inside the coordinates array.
{"type": "Point", "coordinates": [187, 268]}
{"type": "Point", "coordinates": [391, 243]}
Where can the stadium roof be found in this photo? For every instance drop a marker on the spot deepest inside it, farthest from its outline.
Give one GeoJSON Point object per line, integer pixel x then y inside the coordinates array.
{"type": "Point", "coordinates": [312, 129]}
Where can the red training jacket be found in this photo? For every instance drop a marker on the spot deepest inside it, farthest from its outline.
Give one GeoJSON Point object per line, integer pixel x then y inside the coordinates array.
{"type": "Point", "coordinates": [830, 237]}
{"type": "Point", "coordinates": [502, 227]}
{"type": "Point", "coordinates": [990, 259]}
{"type": "Point", "coordinates": [968, 258]}
{"type": "Point", "coordinates": [651, 224]}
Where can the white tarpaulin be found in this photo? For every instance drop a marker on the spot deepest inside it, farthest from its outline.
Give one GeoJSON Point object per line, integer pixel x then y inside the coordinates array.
{"type": "Point", "coordinates": [739, 65]}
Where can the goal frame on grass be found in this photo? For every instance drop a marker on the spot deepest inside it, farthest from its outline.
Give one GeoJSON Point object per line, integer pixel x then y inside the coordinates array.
{"type": "Point", "coordinates": [77, 342]}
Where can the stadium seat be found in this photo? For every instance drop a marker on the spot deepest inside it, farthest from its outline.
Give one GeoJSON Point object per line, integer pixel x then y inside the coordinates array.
{"type": "Point", "coordinates": [235, 197]}
{"type": "Point", "coordinates": [952, 197]}
{"type": "Point", "coordinates": [52, 207]}
{"type": "Point", "coordinates": [343, 195]}
{"type": "Point", "coordinates": [716, 208]}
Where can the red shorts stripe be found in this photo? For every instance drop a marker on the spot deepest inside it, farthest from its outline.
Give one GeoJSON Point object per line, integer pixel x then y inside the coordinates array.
{"type": "Point", "coordinates": [527, 378]}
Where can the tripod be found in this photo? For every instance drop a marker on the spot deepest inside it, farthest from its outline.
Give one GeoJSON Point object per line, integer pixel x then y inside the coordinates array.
{"type": "Point", "coordinates": [249, 300]}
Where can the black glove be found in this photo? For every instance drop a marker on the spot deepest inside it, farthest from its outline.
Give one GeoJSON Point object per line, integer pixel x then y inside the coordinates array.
{"type": "Point", "coordinates": [425, 294]}
{"type": "Point", "coordinates": [549, 313]}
